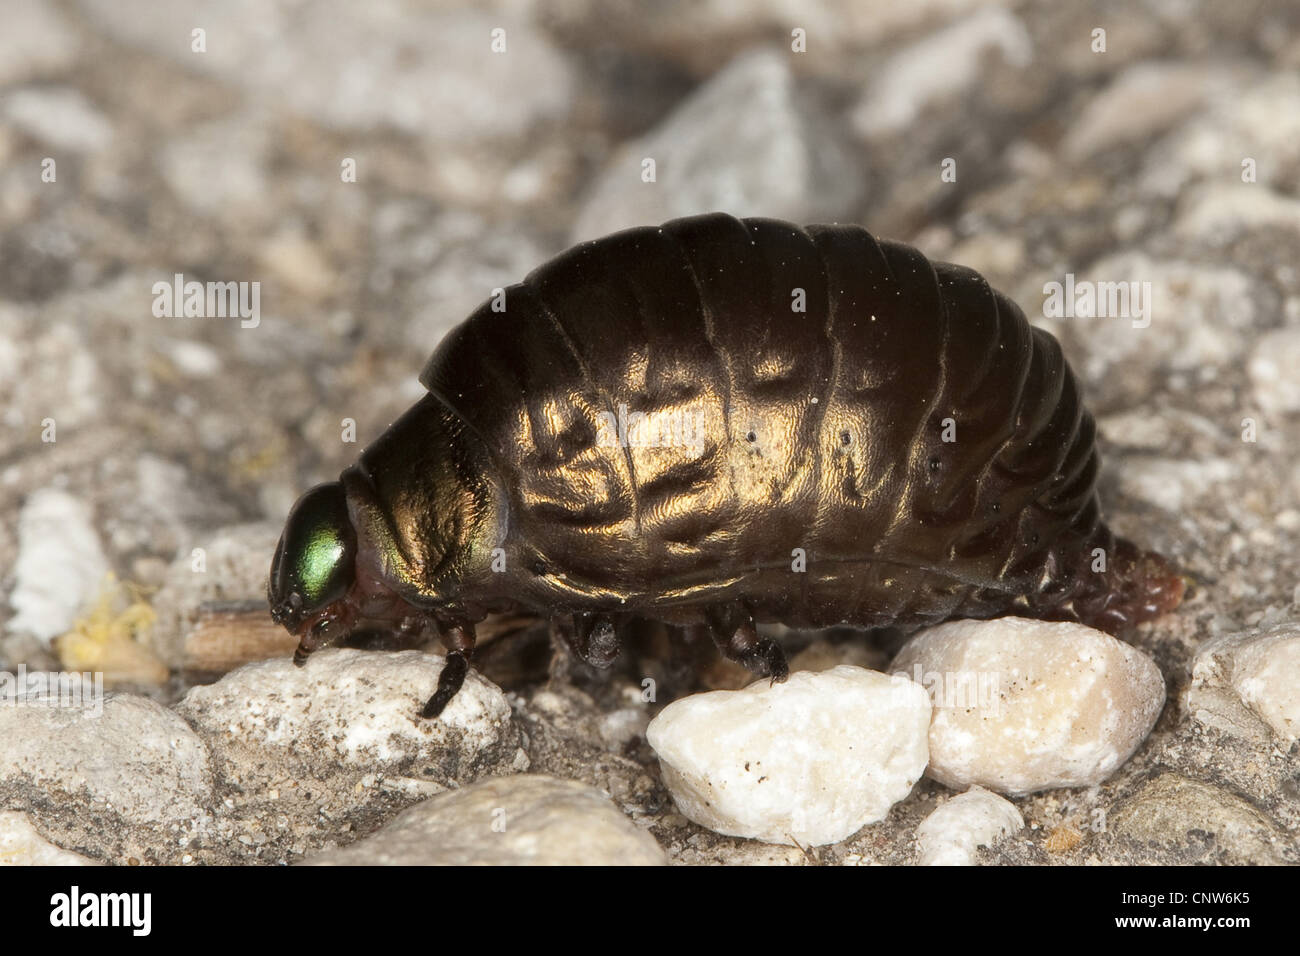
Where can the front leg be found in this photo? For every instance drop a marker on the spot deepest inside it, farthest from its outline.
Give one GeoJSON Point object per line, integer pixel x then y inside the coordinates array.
{"type": "Point", "coordinates": [458, 638]}
{"type": "Point", "coordinates": [738, 639]}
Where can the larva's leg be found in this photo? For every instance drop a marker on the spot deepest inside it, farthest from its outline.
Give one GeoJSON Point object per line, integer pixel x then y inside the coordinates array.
{"type": "Point", "coordinates": [738, 640]}
{"type": "Point", "coordinates": [458, 638]}
{"type": "Point", "coordinates": [595, 638]}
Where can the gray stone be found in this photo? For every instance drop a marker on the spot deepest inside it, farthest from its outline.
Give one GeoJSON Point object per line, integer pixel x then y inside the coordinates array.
{"type": "Point", "coordinates": [1175, 812]}
{"type": "Point", "coordinates": [525, 820]}
{"type": "Point", "coordinates": [744, 143]}
{"type": "Point", "coordinates": [134, 759]}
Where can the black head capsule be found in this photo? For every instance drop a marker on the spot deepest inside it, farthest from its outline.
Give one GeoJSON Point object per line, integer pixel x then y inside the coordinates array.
{"type": "Point", "coordinates": [314, 567]}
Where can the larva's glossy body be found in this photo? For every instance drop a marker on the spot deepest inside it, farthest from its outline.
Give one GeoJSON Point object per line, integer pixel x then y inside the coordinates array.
{"type": "Point", "coordinates": [722, 421]}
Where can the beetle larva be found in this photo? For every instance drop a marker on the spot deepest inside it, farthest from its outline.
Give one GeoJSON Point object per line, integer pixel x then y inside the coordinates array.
{"type": "Point", "coordinates": [720, 422]}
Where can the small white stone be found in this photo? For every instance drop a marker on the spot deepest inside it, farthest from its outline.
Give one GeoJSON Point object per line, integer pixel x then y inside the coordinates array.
{"type": "Point", "coordinates": [950, 835]}
{"type": "Point", "coordinates": [1024, 705]}
{"type": "Point", "coordinates": [21, 845]}
{"type": "Point", "coordinates": [1254, 668]}
{"type": "Point", "coordinates": [60, 567]}
{"type": "Point", "coordinates": [811, 760]}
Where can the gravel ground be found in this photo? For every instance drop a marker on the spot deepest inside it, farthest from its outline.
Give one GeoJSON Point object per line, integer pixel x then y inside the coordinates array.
{"type": "Point", "coordinates": [378, 169]}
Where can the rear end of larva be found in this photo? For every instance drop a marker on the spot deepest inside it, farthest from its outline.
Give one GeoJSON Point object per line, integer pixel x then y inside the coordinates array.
{"type": "Point", "coordinates": [876, 439]}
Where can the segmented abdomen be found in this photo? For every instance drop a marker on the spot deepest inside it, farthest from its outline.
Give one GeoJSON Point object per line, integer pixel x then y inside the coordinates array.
{"type": "Point", "coordinates": [674, 411]}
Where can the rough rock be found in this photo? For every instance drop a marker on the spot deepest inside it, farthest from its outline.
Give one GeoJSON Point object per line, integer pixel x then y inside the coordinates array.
{"type": "Point", "coordinates": [523, 820]}
{"type": "Point", "coordinates": [743, 143]}
{"type": "Point", "coordinates": [1023, 705]}
{"type": "Point", "coordinates": [21, 845]}
{"type": "Point", "coordinates": [1206, 823]}
{"type": "Point", "coordinates": [136, 761]}
{"type": "Point", "coordinates": [808, 761]}
{"type": "Point", "coordinates": [1253, 671]}
{"type": "Point", "coordinates": [951, 834]}
{"type": "Point", "coordinates": [350, 714]}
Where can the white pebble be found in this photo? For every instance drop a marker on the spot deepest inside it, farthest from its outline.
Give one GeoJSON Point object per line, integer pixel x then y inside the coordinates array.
{"type": "Point", "coordinates": [811, 760]}
{"type": "Point", "coordinates": [60, 567]}
{"type": "Point", "coordinates": [1023, 705]}
{"type": "Point", "coordinates": [950, 835]}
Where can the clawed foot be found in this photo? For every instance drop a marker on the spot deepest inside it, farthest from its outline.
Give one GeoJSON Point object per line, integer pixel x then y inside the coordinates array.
{"type": "Point", "coordinates": [738, 639]}
{"type": "Point", "coordinates": [458, 638]}
{"type": "Point", "coordinates": [449, 682]}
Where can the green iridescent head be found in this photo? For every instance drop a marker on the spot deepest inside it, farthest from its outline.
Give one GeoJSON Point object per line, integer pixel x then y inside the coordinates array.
{"type": "Point", "coordinates": [315, 562]}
